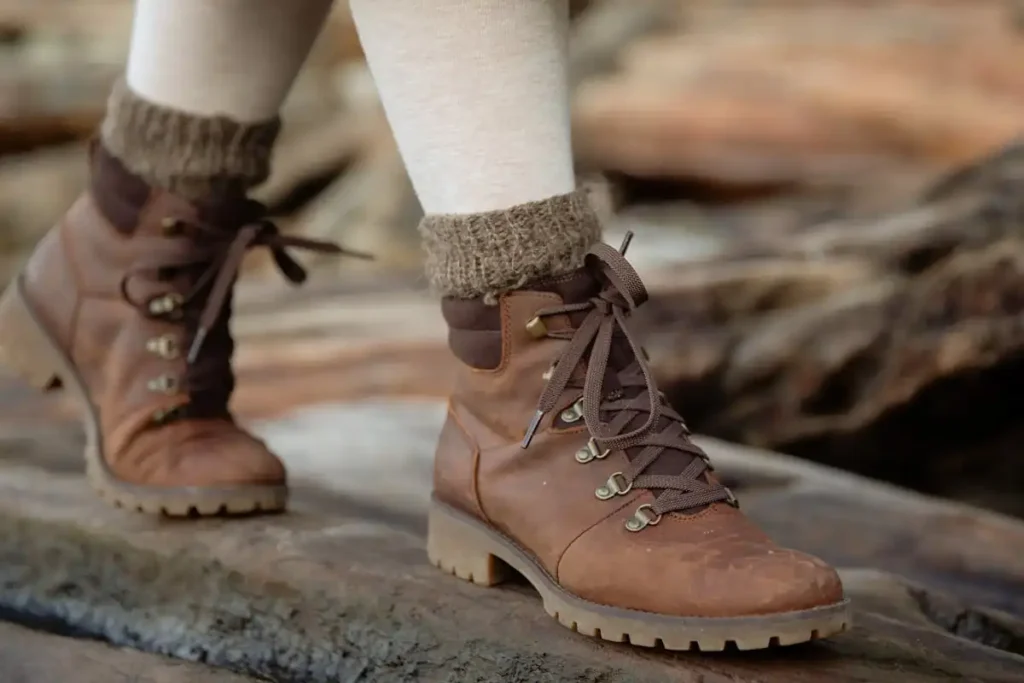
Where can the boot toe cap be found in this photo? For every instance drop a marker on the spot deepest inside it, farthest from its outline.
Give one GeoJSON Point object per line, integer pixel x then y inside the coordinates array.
{"type": "Point", "coordinates": [694, 569]}
{"type": "Point", "coordinates": [209, 454]}
{"type": "Point", "coordinates": [770, 581]}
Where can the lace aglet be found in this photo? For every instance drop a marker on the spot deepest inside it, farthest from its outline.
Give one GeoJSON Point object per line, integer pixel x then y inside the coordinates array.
{"type": "Point", "coordinates": [197, 344]}
{"type": "Point", "coordinates": [362, 255]}
{"type": "Point", "coordinates": [625, 242]}
{"type": "Point", "coordinates": [532, 429]}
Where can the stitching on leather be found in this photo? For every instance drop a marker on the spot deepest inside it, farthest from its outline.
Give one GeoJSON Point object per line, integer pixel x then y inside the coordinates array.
{"type": "Point", "coordinates": [506, 350]}
{"type": "Point", "coordinates": [108, 225]}
{"type": "Point", "coordinates": [706, 512]}
{"type": "Point", "coordinates": [66, 247]}
{"type": "Point", "coordinates": [628, 501]}
{"type": "Point", "coordinates": [567, 430]}
{"type": "Point", "coordinates": [475, 467]}
{"type": "Point", "coordinates": [506, 326]}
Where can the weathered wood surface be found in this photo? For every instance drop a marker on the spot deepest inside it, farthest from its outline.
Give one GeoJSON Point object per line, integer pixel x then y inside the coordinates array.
{"type": "Point", "coordinates": [37, 657]}
{"type": "Point", "coordinates": [338, 589]}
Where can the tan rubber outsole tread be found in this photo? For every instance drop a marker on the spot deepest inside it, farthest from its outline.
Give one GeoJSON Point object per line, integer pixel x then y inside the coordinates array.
{"type": "Point", "coordinates": [27, 349]}
{"type": "Point", "coordinates": [468, 549]}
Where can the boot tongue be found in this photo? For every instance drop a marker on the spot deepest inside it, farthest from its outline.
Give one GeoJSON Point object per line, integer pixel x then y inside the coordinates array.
{"type": "Point", "coordinates": [581, 286]}
{"type": "Point", "coordinates": [230, 208]}
{"type": "Point", "coordinates": [574, 288]}
{"type": "Point", "coordinates": [578, 287]}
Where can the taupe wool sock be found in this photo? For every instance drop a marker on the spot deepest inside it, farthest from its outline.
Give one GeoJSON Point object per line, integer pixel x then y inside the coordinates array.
{"type": "Point", "coordinates": [193, 156]}
{"type": "Point", "coordinates": [488, 254]}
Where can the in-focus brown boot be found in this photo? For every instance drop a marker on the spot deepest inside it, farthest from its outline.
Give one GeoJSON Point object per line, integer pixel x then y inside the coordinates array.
{"type": "Point", "coordinates": [561, 460]}
{"type": "Point", "coordinates": [126, 302]}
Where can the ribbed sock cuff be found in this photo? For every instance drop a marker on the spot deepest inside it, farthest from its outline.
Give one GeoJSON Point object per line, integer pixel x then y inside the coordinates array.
{"type": "Point", "coordinates": [193, 156]}
{"type": "Point", "coordinates": [488, 254]}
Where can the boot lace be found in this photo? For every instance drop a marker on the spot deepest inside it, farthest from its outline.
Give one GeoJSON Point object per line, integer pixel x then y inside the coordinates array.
{"type": "Point", "coordinates": [202, 301]}
{"type": "Point", "coordinates": [662, 433]}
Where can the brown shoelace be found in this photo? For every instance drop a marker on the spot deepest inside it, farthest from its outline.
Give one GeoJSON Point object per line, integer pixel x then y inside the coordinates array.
{"type": "Point", "coordinates": [215, 257]}
{"type": "Point", "coordinates": [664, 430]}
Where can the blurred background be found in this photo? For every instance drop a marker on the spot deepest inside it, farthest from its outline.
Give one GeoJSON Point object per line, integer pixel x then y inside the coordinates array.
{"type": "Point", "coordinates": [839, 178]}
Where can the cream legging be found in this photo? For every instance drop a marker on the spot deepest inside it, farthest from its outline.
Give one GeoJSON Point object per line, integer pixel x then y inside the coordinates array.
{"type": "Point", "coordinates": [475, 90]}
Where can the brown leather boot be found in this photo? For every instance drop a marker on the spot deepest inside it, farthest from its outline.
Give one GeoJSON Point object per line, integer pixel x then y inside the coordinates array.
{"type": "Point", "coordinates": [561, 460]}
{"type": "Point", "coordinates": [126, 302]}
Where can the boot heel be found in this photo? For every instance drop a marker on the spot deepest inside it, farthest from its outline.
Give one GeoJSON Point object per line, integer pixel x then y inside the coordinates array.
{"type": "Point", "coordinates": [459, 548]}
{"type": "Point", "coordinates": [25, 348]}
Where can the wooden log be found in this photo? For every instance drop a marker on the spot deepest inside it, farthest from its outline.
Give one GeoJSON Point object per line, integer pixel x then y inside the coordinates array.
{"type": "Point", "coordinates": [32, 656]}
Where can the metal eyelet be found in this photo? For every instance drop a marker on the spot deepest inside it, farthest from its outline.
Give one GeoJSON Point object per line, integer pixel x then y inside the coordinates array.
{"type": "Point", "coordinates": [165, 415]}
{"type": "Point", "coordinates": [170, 226]}
{"type": "Point", "coordinates": [642, 518]}
{"type": "Point", "coordinates": [166, 305]}
{"type": "Point", "coordinates": [164, 384]}
{"type": "Point", "coordinates": [165, 347]}
{"type": "Point", "coordinates": [548, 373]}
{"type": "Point", "coordinates": [615, 486]}
{"type": "Point", "coordinates": [536, 328]}
{"type": "Point", "coordinates": [573, 413]}
{"type": "Point", "coordinates": [590, 452]}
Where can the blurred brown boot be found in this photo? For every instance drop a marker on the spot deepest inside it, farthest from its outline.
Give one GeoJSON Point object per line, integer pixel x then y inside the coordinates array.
{"type": "Point", "coordinates": [561, 460]}
{"type": "Point", "coordinates": [126, 302]}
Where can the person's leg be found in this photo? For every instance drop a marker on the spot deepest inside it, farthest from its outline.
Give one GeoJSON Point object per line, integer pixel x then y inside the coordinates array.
{"type": "Point", "coordinates": [205, 81]}
{"type": "Point", "coordinates": [489, 128]}
{"type": "Point", "coordinates": [559, 455]}
{"type": "Point", "coordinates": [477, 95]}
{"type": "Point", "coordinates": [127, 300]}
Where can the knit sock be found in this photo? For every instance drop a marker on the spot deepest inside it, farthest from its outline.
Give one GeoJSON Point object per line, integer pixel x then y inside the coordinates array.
{"type": "Point", "coordinates": [490, 253]}
{"type": "Point", "coordinates": [197, 112]}
{"type": "Point", "coordinates": [189, 155]}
